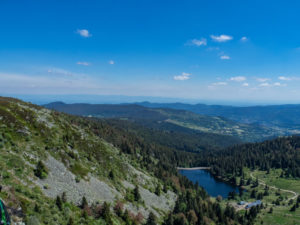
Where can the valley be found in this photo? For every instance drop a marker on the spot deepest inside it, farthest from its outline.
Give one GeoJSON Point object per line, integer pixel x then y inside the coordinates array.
{"type": "Point", "coordinates": [219, 128]}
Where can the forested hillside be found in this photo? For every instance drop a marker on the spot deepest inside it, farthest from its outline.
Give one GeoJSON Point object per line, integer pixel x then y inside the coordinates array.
{"type": "Point", "coordinates": [281, 153]}
{"type": "Point", "coordinates": [62, 169]}
{"type": "Point", "coordinates": [211, 127]}
{"type": "Point", "coordinates": [286, 117]}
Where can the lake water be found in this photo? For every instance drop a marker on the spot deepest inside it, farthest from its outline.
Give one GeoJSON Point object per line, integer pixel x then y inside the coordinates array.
{"type": "Point", "coordinates": [212, 186]}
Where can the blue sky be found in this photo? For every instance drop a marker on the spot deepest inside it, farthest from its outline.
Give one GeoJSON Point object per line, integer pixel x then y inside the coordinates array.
{"type": "Point", "coordinates": [226, 51]}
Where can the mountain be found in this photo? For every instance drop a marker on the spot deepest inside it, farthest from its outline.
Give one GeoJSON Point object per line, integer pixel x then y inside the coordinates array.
{"type": "Point", "coordinates": [63, 169]}
{"type": "Point", "coordinates": [286, 117]}
{"type": "Point", "coordinates": [207, 127]}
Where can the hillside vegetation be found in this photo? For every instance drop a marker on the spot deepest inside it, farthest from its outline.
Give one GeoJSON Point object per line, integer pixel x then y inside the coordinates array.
{"type": "Point", "coordinates": [286, 118]}
{"type": "Point", "coordinates": [214, 129]}
{"type": "Point", "coordinates": [62, 169]}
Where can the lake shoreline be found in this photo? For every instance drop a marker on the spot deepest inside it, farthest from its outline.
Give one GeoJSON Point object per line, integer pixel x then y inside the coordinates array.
{"type": "Point", "coordinates": [211, 184]}
{"type": "Point", "coordinates": [193, 168]}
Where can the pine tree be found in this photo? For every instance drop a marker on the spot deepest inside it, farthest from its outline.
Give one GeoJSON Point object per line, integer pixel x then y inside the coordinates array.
{"type": "Point", "coordinates": [136, 193]}
{"type": "Point", "coordinates": [158, 190]}
{"type": "Point", "coordinates": [84, 202]}
{"type": "Point", "coordinates": [64, 197]}
{"type": "Point", "coordinates": [293, 209]}
{"type": "Point", "coordinates": [151, 219]}
{"type": "Point", "coordinates": [106, 213]}
{"type": "Point", "coordinates": [59, 202]}
{"type": "Point", "coordinates": [71, 221]}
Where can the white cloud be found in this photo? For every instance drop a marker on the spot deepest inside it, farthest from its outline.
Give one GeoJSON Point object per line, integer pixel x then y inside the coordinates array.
{"type": "Point", "coordinates": [238, 78]}
{"type": "Point", "coordinates": [261, 80]}
{"type": "Point", "coordinates": [58, 71]}
{"type": "Point", "coordinates": [285, 78]}
{"type": "Point", "coordinates": [83, 63]}
{"type": "Point", "coordinates": [245, 85]}
{"type": "Point", "coordinates": [183, 76]}
{"type": "Point", "coordinates": [219, 84]}
{"type": "Point", "coordinates": [244, 39]}
{"type": "Point", "coordinates": [84, 33]}
{"type": "Point", "coordinates": [111, 62]}
{"type": "Point", "coordinates": [276, 84]}
{"type": "Point", "coordinates": [221, 38]}
{"type": "Point", "coordinates": [197, 42]}
{"type": "Point", "coordinates": [266, 84]}
{"type": "Point", "coordinates": [224, 57]}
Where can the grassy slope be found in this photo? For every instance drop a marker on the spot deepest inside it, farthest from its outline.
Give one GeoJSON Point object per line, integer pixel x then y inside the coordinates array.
{"type": "Point", "coordinates": [281, 213]}
{"type": "Point", "coordinates": [29, 133]}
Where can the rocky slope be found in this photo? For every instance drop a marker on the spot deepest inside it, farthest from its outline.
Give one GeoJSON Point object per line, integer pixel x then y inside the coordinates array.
{"type": "Point", "coordinates": [76, 163]}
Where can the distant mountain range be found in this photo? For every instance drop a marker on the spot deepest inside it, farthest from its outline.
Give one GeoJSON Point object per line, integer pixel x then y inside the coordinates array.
{"type": "Point", "coordinates": [282, 116]}
{"type": "Point", "coordinates": [171, 119]}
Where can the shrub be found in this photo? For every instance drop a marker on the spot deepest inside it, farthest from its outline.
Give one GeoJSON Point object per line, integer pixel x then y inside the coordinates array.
{"type": "Point", "coordinates": [41, 170]}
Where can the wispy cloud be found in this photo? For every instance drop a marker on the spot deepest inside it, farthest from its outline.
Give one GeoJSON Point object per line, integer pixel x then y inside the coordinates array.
{"type": "Point", "coordinates": [224, 57]}
{"type": "Point", "coordinates": [262, 80]}
{"type": "Point", "coordinates": [111, 62]}
{"type": "Point", "coordinates": [245, 84]}
{"type": "Point", "coordinates": [221, 38]}
{"type": "Point", "coordinates": [219, 84]}
{"type": "Point", "coordinates": [83, 33]}
{"type": "Point", "coordinates": [58, 71]}
{"type": "Point", "coordinates": [238, 78]}
{"type": "Point", "coordinates": [183, 76]}
{"type": "Point", "coordinates": [276, 84]}
{"type": "Point", "coordinates": [197, 42]}
{"type": "Point", "coordinates": [84, 63]}
{"type": "Point", "coordinates": [285, 78]}
{"type": "Point", "coordinates": [244, 39]}
{"type": "Point", "coordinates": [265, 84]}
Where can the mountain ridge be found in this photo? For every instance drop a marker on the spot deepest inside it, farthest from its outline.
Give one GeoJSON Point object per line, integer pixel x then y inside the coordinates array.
{"type": "Point", "coordinates": [178, 117]}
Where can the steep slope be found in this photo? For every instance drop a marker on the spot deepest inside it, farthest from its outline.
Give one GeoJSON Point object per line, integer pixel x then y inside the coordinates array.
{"type": "Point", "coordinates": [161, 117]}
{"type": "Point", "coordinates": [75, 162]}
{"type": "Point", "coordinates": [63, 169]}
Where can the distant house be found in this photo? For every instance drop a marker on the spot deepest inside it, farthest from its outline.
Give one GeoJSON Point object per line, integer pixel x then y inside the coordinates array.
{"type": "Point", "coordinates": [258, 202]}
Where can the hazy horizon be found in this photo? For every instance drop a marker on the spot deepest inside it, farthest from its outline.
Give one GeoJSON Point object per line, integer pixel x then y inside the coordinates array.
{"type": "Point", "coordinates": [122, 99]}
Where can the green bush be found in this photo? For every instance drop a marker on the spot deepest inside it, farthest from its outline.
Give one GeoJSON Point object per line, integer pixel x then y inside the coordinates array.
{"type": "Point", "coordinates": [41, 171]}
{"type": "Point", "coordinates": [79, 170]}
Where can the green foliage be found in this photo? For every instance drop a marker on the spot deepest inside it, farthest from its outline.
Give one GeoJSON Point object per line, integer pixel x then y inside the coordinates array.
{"type": "Point", "coordinates": [79, 170]}
{"type": "Point", "coordinates": [59, 202]}
{"type": "Point", "coordinates": [262, 156]}
{"type": "Point", "coordinates": [158, 190]}
{"type": "Point", "coordinates": [151, 219]}
{"type": "Point", "coordinates": [136, 193]}
{"type": "Point", "coordinates": [41, 171]}
{"type": "Point", "coordinates": [84, 202]}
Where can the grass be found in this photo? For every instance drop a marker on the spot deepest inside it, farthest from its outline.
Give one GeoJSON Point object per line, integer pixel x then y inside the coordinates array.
{"type": "Point", "coordinates": [281, 213]}
{"type": "Point", "coordinates": [274, 179]}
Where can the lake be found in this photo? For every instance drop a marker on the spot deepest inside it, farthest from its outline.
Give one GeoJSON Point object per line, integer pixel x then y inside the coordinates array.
{"type": "Point", "coordinates": [212, 186]}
